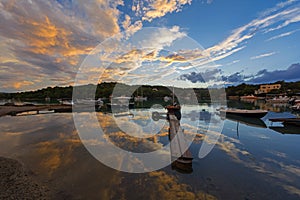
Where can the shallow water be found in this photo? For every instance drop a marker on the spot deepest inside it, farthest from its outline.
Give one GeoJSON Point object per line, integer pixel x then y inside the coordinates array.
{"type": "Point", "coordinates": [249, 161]}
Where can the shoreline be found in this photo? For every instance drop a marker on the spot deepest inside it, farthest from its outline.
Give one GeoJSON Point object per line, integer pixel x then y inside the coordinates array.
{"type": "Point", "coordinates": [16, 183]}
{"type": "Point", "coordinates": [13, 110]}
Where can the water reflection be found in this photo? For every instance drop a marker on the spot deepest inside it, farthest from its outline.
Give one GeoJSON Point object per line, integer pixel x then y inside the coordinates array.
{"type": "Point", "coordinates": [263, 105]}
{"type": "Point", "coordinates": [290, 129]}
{"type": "Point", "coordinates": [249, 121]}
{"type": "Point", "coordinates": [260, 165]}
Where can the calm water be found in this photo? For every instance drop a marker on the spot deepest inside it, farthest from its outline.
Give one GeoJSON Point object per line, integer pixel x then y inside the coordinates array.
{"type": "Point", "coordinates": [249, 161]}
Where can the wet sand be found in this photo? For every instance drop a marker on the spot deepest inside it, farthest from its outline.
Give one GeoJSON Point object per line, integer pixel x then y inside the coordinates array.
{"type": "Point", "coordinates": [16, 183]}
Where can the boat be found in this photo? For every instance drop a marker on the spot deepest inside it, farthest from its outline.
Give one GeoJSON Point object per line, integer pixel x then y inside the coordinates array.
{"type": "Point", "coordinates": [120, 103]}
{"type": "Point", "coordinates": [296, 107]}
{"type": "Point", "coordinates": [290, 129]}
{"type": "Point", "coordinates": [287, 121]}
{"type": "Point", "coordinates": [290, 125]}
{"type": "Point", "coordinates": [118, 106]}
{"type": "Point", "coordinates": [68, 102]}
{"type": "Point", "coordinates": [244, 113]}
{"type": "Point", "coordinates": [122, 98]}
{"type": "Point", "coordinates": [248, 97]}
{"type": "Point", "coordinates": [167, 98]}
{"type": "Point", "coordinates": [97, 102]}
{"type": "Point", "coordinates": [249, 121]}
{"type": "Point", "coordinates": [140, 98]}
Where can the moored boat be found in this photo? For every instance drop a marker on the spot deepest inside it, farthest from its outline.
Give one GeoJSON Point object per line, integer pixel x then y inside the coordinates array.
{"type": "Point", "coordinates": [140, 98]}
{"type": "Point", "coordinates": [296, 107]}
{"type": "Point", "coordinates": [244, 113]}
{"type": "Point", "coordinates": [120, 103]}
{"type": "Point", "coordinates": [249, 121]}
{"type": "Point", "coordinates": [290, 129]}
{"type": "Point", "coordinates": [97, 102]}
{"type": "Point", "coordinates": [117, 106]}
{"type": "Point", "coordinates": [287, 121]}
{"type": "Point", "coordinates": [248, 97]}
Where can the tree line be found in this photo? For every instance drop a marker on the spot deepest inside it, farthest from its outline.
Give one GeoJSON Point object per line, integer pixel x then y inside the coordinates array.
{"type": "Point", "coordinates": [104, 90]}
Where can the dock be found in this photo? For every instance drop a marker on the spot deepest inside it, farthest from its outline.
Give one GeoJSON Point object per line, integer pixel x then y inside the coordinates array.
{"type": "Point", "coordinates": [14, 110]}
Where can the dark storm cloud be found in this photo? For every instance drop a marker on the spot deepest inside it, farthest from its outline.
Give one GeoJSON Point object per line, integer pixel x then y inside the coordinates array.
{"type": "Point", "coordinates": [202, 77]}
{"type": "Point", "coordinates": [42, 40]}
{"type": "Point", "coordinates": [290, 74]}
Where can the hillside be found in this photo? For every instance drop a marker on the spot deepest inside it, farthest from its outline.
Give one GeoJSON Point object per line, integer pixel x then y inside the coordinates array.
{"type": "Point", "coordinates": [152, 92]}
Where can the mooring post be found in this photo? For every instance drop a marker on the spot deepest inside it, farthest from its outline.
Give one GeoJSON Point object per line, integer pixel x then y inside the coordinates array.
{"type": "Point", "coordinates": [180, 155]}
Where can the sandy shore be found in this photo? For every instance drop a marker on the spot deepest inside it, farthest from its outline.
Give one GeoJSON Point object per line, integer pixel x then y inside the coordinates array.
{"type": "Point", "coordinates": [15, 183]}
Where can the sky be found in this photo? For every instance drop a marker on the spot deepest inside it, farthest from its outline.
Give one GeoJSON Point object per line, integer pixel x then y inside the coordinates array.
{"type": "Point", "coordinates": [188, 43]}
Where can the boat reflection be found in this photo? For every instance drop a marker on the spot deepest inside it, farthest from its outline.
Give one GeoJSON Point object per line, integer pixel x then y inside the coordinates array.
{"type": "Point", "coordinates": [249, 121]}
{"type": "Point", "coordinates": [290, 125]}
{"type": "Point", "coordinates": [184, 168]}
{"type": "Point", "coordinates": [287, 129]}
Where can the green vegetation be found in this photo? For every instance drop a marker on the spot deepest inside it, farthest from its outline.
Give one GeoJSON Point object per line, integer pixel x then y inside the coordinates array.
{"type": "Point", "coordinates": [240, 90]}
{"type": "Point", "coordinates": [288, 88]}
{"type": "Point", "coordinates": [152, 92]}
{"type": "Point", "coordinates": [104, 90]}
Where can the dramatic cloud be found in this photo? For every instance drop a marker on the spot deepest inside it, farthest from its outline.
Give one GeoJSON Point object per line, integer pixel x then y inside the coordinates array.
{"type": "Point", "coordinates": [263, 55]}
{"type": "Point", "coordinates": [152, 9]}
{"type": "Point", "coordinates": [237, 77]}
{"type": "Point", "coordinates": [290, 74]}
{"type": "Point", "coordinates": [237, 40]}
{"type": "Point", "coordinates": [287, 21]}
{"type": "Point", "coordinates": [48, 40]}
{"type": "Point", "coordinates": [202, 77]}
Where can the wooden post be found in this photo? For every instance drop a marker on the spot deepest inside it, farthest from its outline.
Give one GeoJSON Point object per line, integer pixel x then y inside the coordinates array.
{"type": "Point", "coordinates": [180, 155]}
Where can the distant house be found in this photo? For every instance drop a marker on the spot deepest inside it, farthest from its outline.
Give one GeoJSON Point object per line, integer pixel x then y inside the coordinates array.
{"type": "Point", "coordinates": [267, 88]}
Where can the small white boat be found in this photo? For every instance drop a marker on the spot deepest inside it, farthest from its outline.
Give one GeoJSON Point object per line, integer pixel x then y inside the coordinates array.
{"type": "Point", "coordinates": [97, 102]}
{"type": "Point", "coordinates": [287, 121]}
{"type": "Point", "coordinates": [122, 98]}
{"type": "Point", "coordinates": [166, 98]}
{"type": "Point", "coordinates": [140, 98]}
{"type": "Point", "coordinates": [68, 102]}
{"type": "Point", "coordinates": [248, 97]}
{"type": "Point", "coordinates": [120, 106]}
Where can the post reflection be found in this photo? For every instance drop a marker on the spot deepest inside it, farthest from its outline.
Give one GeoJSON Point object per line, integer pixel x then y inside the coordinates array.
{"type": "Point", "coordinates": [181, 156]}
